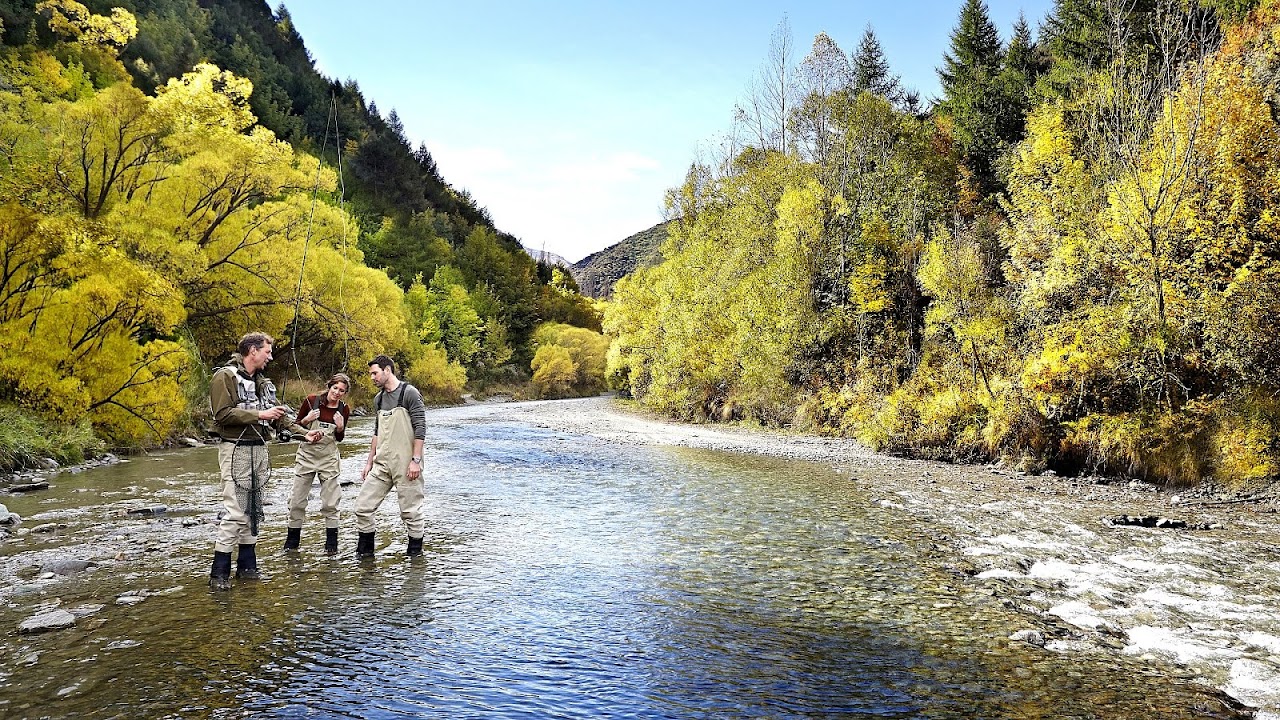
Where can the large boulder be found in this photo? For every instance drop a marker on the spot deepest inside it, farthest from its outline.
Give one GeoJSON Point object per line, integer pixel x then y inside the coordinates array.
{"type": "Point", "coordinates": [9, 518]}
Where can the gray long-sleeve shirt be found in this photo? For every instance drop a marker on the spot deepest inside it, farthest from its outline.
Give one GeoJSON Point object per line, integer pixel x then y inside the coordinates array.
{"type": "Point", "coordinates": [407, 397]}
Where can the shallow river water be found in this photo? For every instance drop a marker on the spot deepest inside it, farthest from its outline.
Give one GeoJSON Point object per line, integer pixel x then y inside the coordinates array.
{"type": "Point", "coordinates": [570, 576]}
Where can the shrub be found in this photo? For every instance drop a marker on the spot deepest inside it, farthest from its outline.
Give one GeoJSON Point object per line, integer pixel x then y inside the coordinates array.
{"type": "Point", "coordinates": [438, 379]}
{"type": "Point", "coordinates": [553, 372]}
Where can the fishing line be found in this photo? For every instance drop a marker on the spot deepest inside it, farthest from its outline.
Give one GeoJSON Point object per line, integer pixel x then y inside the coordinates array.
{"type": "Point", "coordinates": [306, 244]}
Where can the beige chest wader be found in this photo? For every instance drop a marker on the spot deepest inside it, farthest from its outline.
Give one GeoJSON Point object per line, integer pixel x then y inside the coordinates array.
{"type": "Point", "coordinates": [322, 456]}
{"type": "Point", "coordinates": [395, 442]}
{"type": "Point", "coordinates": [317, 461]}
{"type": "Point", "coordinates": [391, 470]}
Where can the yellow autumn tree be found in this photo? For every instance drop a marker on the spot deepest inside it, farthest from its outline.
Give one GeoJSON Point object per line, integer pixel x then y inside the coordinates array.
{"type": "Point", "coordinates": [72, 314]}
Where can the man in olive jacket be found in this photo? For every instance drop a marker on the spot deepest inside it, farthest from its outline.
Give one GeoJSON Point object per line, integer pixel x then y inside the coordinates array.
{"type": "Point", "coordinates": [244, 405]}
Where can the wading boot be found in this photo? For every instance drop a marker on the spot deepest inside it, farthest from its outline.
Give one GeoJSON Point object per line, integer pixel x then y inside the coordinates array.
{"type": "Point", "coordinates": [364, 545]}
{"type": "Point", "coordinates": [415, 546]}
{"type": "Point", "coordinates": [293, 539]}
{"type": "Point", "coordinates": [220, 576]}
{"type": "Point", "coordinates": [247, 563]}
{"type": "Point", "coordinates": [331, 541]}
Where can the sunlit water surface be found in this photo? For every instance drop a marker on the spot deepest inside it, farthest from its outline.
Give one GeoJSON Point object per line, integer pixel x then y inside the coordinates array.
{"type": "Point", "coordinates": [563, 577]}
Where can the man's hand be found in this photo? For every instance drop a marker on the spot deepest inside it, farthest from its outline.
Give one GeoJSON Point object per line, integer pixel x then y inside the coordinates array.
{"type": "Point", "coordinates": [365, 470]}
{"type": "Point", "coordinates": [272, 414]}
{"type": "Point", "coordinates": [415, 470]}
{"type": "Point", "coordinates": [313, 436]}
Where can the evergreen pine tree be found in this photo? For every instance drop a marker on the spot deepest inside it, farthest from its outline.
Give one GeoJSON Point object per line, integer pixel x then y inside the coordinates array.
{"type": "Point", "coordinates": [871, 69]}
{"type": "Point", "coordinates": [971, 94]}
{"type": "Point", "coordinates": [1017, 78]}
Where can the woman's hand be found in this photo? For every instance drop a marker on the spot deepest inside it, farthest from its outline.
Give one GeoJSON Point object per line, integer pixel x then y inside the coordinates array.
{"type": "Point", "coordinates": [310, 417]}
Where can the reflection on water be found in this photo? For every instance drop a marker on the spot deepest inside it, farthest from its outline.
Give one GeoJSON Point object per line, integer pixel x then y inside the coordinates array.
{"type": "Point", "coordinates": [563, 577]}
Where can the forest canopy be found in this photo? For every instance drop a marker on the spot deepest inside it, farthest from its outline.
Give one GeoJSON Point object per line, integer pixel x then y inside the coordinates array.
{"type": "Point", "coordinates": [1069, 261]}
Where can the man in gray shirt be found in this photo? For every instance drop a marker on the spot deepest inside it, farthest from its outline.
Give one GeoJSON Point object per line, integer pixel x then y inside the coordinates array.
{"type": "Point", "coordinates": [395, 457]}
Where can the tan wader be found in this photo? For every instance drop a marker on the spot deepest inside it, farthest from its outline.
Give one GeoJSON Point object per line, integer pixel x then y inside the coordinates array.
{"type": "Point", "coordinates": [317, 461]}
{"type": "Point", "coordinates": [234, 528]}
{"type": "Point", "coordinates": [391, 470]}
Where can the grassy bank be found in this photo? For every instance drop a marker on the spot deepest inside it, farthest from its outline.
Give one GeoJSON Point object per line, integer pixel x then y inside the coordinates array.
{"type": "Point", "coordinates": [26, 439]}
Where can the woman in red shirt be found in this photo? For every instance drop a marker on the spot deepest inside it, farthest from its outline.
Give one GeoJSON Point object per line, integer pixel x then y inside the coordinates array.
{"type": "Point", "coordinates": [320, 460]}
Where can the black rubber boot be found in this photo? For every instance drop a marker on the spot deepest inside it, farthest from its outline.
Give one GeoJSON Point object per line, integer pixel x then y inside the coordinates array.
{"type": "Point", "coordinates": [364, 545]}
{"type": "Point", "coordinates": [331, 541]}
{"type": "Point", "coordinates": [294, 538]}
{"type": "Point", "coordinates": [247, 563]}
{"type": "Point", "coordinates": [415, 546]}
{"type": "Point", "coordinates": [220, 575]}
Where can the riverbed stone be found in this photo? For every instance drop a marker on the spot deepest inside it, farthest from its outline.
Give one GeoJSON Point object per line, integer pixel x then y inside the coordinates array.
{"type": "Point", "coordinates": [67, 567]}
{"type": "Point", "coordinates": [82, 611]}
{"type": "Point", "coordinates": [29, 486]}
{"type": "Point", "coordinates": [152, 511]}
{"type": "Point", "coordinates": [9, 518]}
{"type": "Point", "coordinates": [46, 621]}
{"type": "Point", "coordinates": [131, 597]}
{"type": "Point", "coordinates": [1030, 637]}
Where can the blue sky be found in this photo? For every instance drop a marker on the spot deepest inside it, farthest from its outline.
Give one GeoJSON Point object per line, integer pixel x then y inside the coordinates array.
{"type": "Point", "coordinates": [569, 120]}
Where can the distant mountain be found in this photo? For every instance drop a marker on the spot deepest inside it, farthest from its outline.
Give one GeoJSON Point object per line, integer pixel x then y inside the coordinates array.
{"type": "Point", "coordinates": [597, 273]}
{"type": "Point", "coordinates": [541, 255]}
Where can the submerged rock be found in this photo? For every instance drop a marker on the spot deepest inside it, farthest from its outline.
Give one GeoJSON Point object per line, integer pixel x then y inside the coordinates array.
{"type": "Point", "coordinates": [86, 610]}
{"type": "Point", "coordinates": [45, 621]}
{"type": "Point", "coordinates": [1030, 637]}
{"type": "Point", "coordinates": [66, 567]}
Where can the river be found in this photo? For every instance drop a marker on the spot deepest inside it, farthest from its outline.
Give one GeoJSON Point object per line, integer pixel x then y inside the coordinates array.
{"type": "Point", "coordinates": [581, 564]}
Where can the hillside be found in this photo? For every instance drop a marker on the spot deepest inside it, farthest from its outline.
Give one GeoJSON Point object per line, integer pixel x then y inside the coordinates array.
{"type": "Point", "coordinates": [597, 272]}
{"type": "Point", "coordinates": [547, 257]}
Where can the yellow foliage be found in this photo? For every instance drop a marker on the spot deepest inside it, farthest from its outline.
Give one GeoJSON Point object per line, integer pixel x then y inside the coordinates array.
{"type": "Point", "coordinates": [205, 103]}
{"type": "Point", "coordinates": [186, 215]}
{"type": "Point", "coordinates": [67, 325]}
{"type": "Point", "coordinates": [1050, 234]}
{"type": "Point", "coordinates": [587, 351]}
{"type": "Point", "coordinates": [436, 377]}
{"type": "Point", "coordinates": [553, 371]}
{"type": "Point", "coordinates": [73, 22]}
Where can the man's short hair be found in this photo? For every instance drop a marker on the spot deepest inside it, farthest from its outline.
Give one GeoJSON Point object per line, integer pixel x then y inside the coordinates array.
{"type": "Point", "coordinates": [384, 362]}
{"type": "Point", "coordinates": [252, 341]}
